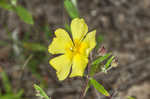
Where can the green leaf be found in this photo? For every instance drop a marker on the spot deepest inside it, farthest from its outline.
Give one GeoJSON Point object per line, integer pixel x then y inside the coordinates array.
{"type": "Point", "coordinates": [6, 5]}
{"type": "Point", "coordinates": [71, 9]}
{"type": "Point", "coordinates": [129, 97]}
{"type": "Point", "coordinates": [94, 69]}
{"type": "Point", "coordinates": [108, 63]}
{"type": "Point", "coordinates": [99, 87]}
{"type": "Point", "coordinates": [41, 92]}
{"type": "Point", "coordinates": [19, 94]}
{"type": "Point", "coordinates": [74, 2]}
{"type": "Point", "coordinates": [36, 47]}
{"type": "Point", "coordinates": [95, 64]}
{"type": "Point", "coordinates": [6, 82]}
{"type": "Point", "coordinates": [9, 96]}
{"type": "Point", "coordinates": [24, 15]}
{"type": "Point", "coordinates": [101, 59]}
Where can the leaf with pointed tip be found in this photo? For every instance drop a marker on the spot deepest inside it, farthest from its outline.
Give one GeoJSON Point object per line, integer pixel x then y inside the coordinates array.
{"type": "Point", "coordinates": [6, 6]}
{"type": "Point", "coordinates": [24, 15]}
{"type": "Point", "coordinates": [95, 67]}
{"type": "Point", "coordinates": [71, 9]}
{"type": "Point", "coordinates": [108, 63]}
{"type": "Point", "coordinates": [99, 87]}
{"type": "Point", "coordinates": [41, 92]}
{"type": "Point", "coordinates": [6, 82]}
{"type": "Point", "coordinates": [101, 59]}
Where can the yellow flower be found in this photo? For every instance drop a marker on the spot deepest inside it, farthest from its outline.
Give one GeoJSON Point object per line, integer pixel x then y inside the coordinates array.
{"type": "Point", "coordinates": [74, 53]}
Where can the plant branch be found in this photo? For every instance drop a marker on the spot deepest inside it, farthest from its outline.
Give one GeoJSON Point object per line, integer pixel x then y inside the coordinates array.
{"type": "Point", "coordinates": [83, 93]}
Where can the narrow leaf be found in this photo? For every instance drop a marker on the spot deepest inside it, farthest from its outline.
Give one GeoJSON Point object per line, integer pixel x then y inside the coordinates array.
{"type": "Point", "coordinates": [6, 6]}
{"type": "Point", "coordinates": [129, 97]}
{"type": "Point", "coordinates": [108, 63]}
{"type": "Point", "coordinates": [101, 59]}
{"type": "Point", "coordinates": [24, 15]}
{"type": "Point", "coordinates": [5, 81]}
{"type": "Point", "coordinates": [20, 93]}
{"type": "Point", "coordinates": [41, 92]}
{"type": "Point", "coordinates": [99, 87]}
{"type": "Point", "coordinates": [74, 2]}
{"type": "Point", "coordinates": [95, 67]}
{"type": "Point", "coordinates": [36, 47]}
{"type": "Point", "coordinates": [71, 9]}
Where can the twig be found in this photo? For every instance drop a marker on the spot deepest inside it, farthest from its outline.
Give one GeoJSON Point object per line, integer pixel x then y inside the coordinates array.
{"type": "Point", "coordinates": [27, 61]}
{"type": "Point", "coordinates": [83, 93]}
{"type": "Point", "coordinates": [24, 65]}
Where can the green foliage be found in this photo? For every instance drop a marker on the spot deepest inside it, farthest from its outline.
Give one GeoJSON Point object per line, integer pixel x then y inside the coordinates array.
{"type": "Point", "coordinates": [24, 15]}
{"type": "Point", "coordinates": [109, 61]}
{"type": "Point", "coordinates": [6, 82]}
{"type": "Point", "coordinates": [95, 66]}
{"type": "Point", "coordinates": [108, 66]}
{"type": "Point", "coordinates": [9, 92]}
{"type": "Point", "coordinates": [99, 87]}
{"type": "Point", "coordinates": [74, 2]}
{"type": "Point", "coordinates": [129, 97]}
{"type": "Point", "coordinates": [21, 12]}
{"type": "Point", "coordinates": [101, 59]}
{"type": "Point", "coordinates": [71, 8]}
{"type": "Point", "coordinates": [36, 47]}
{"type": "Point", "coordinates": [12, 95]}
{"type": "Point", "coordinates": [5, 5]}
{"type": "Point", "coordinates": [40, 92]}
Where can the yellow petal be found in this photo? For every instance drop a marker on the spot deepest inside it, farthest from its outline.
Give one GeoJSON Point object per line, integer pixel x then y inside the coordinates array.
{"type": "Point", "coordinates": [62, 64]}
{"type": "Point", "coordinates": [90, 41]}
{"type": "Point", "coordinates": [79, 65]}
{"type": "Point", "coordinates": [60, 43]}
{"type": "Point", "coordinates": [79, 29]}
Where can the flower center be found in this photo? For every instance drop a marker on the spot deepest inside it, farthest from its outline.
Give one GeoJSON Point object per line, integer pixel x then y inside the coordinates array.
{"type": "Point", "coordinates": [78, 48]}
